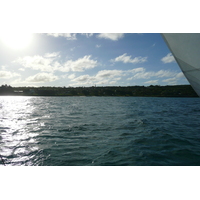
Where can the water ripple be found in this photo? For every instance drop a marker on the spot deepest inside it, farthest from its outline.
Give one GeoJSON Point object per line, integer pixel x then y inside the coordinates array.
{"type": "Point", "coordinates": [37, 131]}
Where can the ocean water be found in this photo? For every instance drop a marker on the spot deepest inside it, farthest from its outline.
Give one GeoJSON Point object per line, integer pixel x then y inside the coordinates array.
{"type": "Point", "coordinates": [99, 131]}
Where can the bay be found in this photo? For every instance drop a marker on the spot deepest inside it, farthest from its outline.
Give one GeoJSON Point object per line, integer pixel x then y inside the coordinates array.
{"type": "Point", "coordinates": [99, 131]}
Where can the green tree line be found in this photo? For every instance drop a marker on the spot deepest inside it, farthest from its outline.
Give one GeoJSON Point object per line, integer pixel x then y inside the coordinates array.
{"type": "Point", "coordinates": [146, 91]}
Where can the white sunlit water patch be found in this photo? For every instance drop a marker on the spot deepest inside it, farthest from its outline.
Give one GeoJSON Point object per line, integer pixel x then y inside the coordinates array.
{"type": "Point", "coordinates": [16, 140]}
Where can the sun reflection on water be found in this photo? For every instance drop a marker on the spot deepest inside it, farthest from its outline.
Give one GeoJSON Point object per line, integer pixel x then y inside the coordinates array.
{"type": "Point", "coordinates": [17, 141]}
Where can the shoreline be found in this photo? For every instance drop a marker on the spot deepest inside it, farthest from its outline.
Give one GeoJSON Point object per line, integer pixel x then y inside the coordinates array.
{"type": "Point", "coordinates": [110, 91]}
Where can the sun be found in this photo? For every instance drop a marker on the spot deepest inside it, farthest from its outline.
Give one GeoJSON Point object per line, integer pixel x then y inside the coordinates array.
{"type": "Point", "coordinates": [16, 41]}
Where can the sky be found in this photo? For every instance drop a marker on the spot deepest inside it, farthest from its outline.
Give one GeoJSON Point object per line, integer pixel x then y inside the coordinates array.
{"type": "Point", "coordinates": [87, 59]}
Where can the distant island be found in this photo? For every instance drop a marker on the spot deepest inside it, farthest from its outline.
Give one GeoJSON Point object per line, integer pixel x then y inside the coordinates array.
{"type": "Point", "coordinates": [144, 91]}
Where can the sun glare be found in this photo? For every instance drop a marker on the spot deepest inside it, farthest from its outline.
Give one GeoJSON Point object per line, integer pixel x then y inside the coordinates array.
{"type": "Point", "coordinates": [16, 40]}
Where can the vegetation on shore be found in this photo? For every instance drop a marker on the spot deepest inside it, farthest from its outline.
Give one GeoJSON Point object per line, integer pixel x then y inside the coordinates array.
{"type": "Point", "coordinates": [146, 91]}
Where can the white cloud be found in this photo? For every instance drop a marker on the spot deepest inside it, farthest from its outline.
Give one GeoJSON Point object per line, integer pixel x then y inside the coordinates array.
{"type": "Point", "coordinates": [92, 80]}
{"type": "Point", "coordinates": [48, 63]}
{"type": "Point", "coordinates": [127, 59]}
{"type": "Point", "coordinates": [17, 82]}
{"type": "Point", "coordinates": [52, 55]}
{"type": "Point", "coordinates": [72, 49]}
{"type": "Point", "coordinates": [20, 82]}
{"type": "Point", "coordinates": [175, 79]}
{"type": "Point", "coordinates": [152, 82]}
{"type": "Point", "coordinates": [180, 75]}
{"type": "Point", "coordinates": [3, 67]}
{"type": "Point", "coordinates": [101, 78]}
{"type": "Point", "coordinates": [110, 77]}
{"type": "Point", "coordinates": [168, 58]}
{"type": "Point", "coordinates": [164, 73]}
{"type": "Point", "coordinates": [42, 77]}
{"type": "Point", "coordinates": [112, 82]}
{"type": "Point", "coordinates": [111, 36]}
{"type": "Point", "coordinates": [84, 78]}
{"type": "Point", "coordinates": [68, 36]}
{"type": "Point", "coordinates": [136, 70]}
{"type": "Point", "coordinates": [87, 34]}
{"type": "Point", "coordinates": [72, 76]}
{"type": "Point", "coordinates": [8, 74]}
{"type": "Point", "coordinates": [103, 82]}
{"type": "Point", "coordinates": [143, 75]}
{"type": "Point", "coordinates": [37, 63]}
{"type": "Point", "coordinates": [79, 65]}
{"type": "Point", "coordinates": [98, 46]}
{"type": "Point", "coordinates": [109, 73]}
{"type": "Point", "coordinates": [171, 81]}
{"type": "Point", "coordinates": [147, 75]}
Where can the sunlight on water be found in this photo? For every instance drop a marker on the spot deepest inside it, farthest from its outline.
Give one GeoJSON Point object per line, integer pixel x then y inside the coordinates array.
{"type": "Point", "coordinates": [71, 131]}
{"type": "Point", "coordinates": [17, 142]}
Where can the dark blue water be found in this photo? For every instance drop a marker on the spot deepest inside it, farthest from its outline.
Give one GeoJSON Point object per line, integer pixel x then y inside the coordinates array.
{"type": "Point", "coordinates": [102, 131]}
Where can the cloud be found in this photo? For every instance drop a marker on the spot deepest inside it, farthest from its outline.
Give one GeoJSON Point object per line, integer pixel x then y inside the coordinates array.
{"type": "Point", "coordinates": [111, 36]}
{"type": "Point", "coordinates": [87, 34]}
{"type": "Point", "coordinates": [109, 73]}
{"type": "Point", "coordinates": [136, 70]}
{"type": "Point", "coordinates": [83, 78]}
{"type": "Point", "coordinates": [49, 63]}
{"type": "Point", "coordinates": [42, 77]}
{"type": "Point", "coordinates": [52, 55]}
{"type": "Point", "coordinates": [8, 74]}
{"type": "Point", "coordinates": [168, 58]}
{"type": "Point", "coordinates": [141, 73]}
{"type": "Point", "coordinates": [98, 46]}
{"type": "Point", "coordinates": [171, 81]}
{"type": "Point", "coordinates": [20, 82]}
{"type": "Point", "coordinates": [72, 49]}
{"type": "Point", "coordinates": [38, 62]}
{"type": "Point", "coordinates": [152, 82]}
{"type": "Point", "coordinates": [164, 73]}
{"type": "Point", "coordinates": [110, 77]}
{"type": "Point", "coordinates": [101, 78]}
{"type": "Point", "coordinates": [72, 76]}
{"type": "Point", "coordinates": [147, 75]}
{"type": "Point", "coordinates": [180, 75]}
{"type": "Point", "coordinates": [79, 65]}
{"type": "Point", "coordinates": [105, 82]}
{"type": "Point", "coordinates": [68, 36]}
{"type": "Point", "coordinates": [127, 59]}
{"type": "Point", "coordinates": [3, 67]}
{"type": "Point", "coordinates": [175, 79]}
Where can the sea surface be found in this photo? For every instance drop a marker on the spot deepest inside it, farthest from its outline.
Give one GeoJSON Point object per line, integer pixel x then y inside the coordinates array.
{"type": "Point", "coordinates": [99, 131]}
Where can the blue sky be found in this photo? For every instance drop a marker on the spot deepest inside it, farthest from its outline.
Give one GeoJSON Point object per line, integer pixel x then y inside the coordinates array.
{"type": "Point", "coordinates": [101, 59]}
